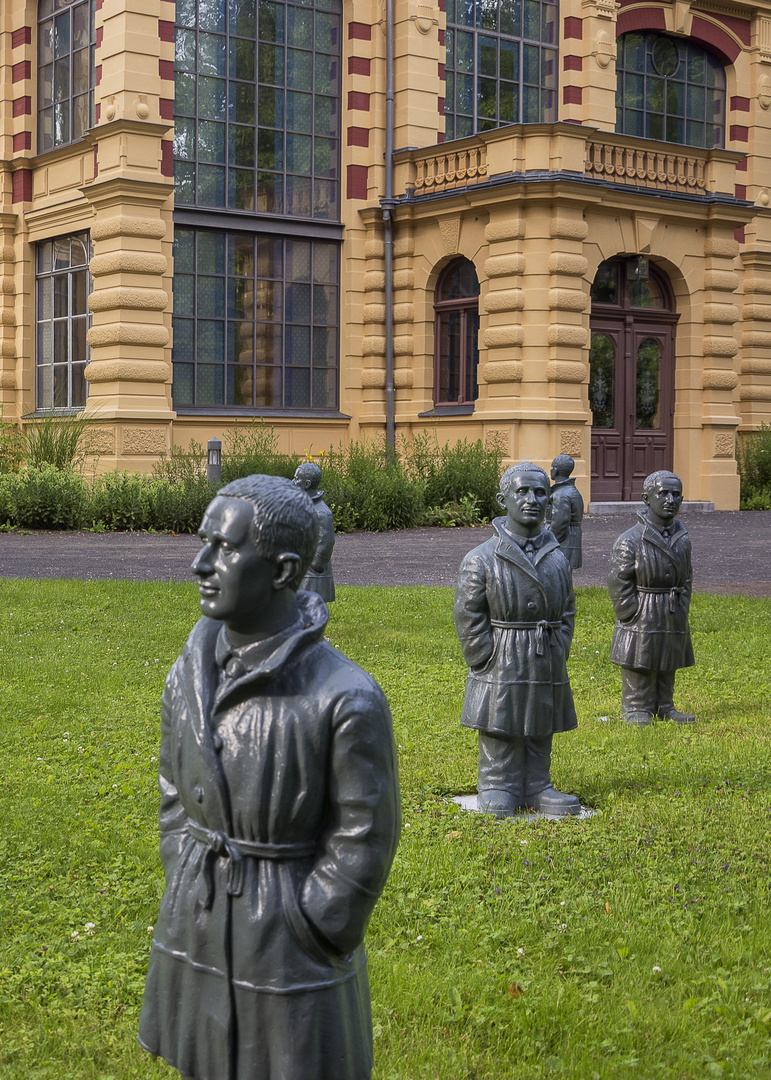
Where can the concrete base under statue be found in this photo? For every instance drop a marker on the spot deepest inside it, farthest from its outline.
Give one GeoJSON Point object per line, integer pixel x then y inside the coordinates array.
{"type": "Point", "coordinates": [471, 803]}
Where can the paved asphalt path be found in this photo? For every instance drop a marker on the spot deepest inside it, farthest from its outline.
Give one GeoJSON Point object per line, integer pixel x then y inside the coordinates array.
{"type": "Point", "coordinates": [731, 554]}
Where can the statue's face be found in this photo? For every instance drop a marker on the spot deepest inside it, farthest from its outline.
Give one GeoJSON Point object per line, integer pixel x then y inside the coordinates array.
{"type": "Point", "coordinates": [234, 582]}
{"type": "Point", "coordinates": [664, 501]}
{"type": "Point", "coordinates": [300, 481]}
{"type": "Point", "coordinates": [525, 502]}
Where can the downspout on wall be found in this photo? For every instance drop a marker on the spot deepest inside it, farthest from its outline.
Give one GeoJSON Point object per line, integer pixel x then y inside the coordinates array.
{"type": "Point", "coordinates": [387, 203]}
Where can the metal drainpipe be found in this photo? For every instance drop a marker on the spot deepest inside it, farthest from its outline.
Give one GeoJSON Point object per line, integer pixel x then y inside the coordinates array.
{"type": "Point", "coordinates": [388, 204]}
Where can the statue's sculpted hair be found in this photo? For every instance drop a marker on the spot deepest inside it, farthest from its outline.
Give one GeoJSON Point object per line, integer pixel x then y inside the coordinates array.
{"type": "Point", "coordinates": [284, 518]}
{"type": "Point", "coordinates": [564, 464]}
{"type": "Point", "coordinates": [658, 478]}
{"type": "Point", "coordinates": [516, 470]}
{"type": "Point", "coordinates": [309, 470]}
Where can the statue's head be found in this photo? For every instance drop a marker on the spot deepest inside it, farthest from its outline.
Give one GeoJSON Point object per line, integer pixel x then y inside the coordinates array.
{"type": "Point", "coordinates": [307, 476]}
{"type": "Point", "coordinates": [258, 535]}
{"type": "Point", "coordinates": [663, 495]}
{"type": "Point", "coordinates": [524, 495]}
{"type": "Point", "coordinates": [562, 467]}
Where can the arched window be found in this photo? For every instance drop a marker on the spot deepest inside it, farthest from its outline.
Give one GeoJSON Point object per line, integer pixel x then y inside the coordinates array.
{"type": "Point", "coordinates": [256, 113]}
{"type": "Point", "coordinates": [501, 65]}
{"type": "Point", "coordinates": [62, 288]}
{"type": "Point", "coordinates": [66, 72]}
{"type": "Point", "coordinates": [456, 329]}
{"type": "Point", "coordinates": [669, 89]}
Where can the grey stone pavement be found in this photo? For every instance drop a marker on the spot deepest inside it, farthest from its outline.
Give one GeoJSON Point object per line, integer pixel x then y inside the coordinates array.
{"type": "Point", "coordinates": [731, 553]}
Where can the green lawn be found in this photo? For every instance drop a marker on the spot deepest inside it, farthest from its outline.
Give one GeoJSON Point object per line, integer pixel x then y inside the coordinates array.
{"type": "Point", "coordinates": [635, 943]}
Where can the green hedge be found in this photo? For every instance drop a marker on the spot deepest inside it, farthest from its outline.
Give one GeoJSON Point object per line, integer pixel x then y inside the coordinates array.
{"type": "Point", "coordinates": [753, 455]}
{"type": "Point", "coordinates": [366, 485]}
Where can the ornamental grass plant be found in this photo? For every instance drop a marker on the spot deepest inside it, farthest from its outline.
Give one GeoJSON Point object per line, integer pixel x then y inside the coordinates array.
{"type": "Point", "coordinates": [633, 943]}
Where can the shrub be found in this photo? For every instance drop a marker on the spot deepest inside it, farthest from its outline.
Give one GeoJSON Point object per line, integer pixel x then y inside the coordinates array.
{"type": "Point", "coordinates": [11, 445]}
{"type": "Point", "coordinates": [45, 498]}
{"type": "Point", "coordinates": [366, 487]}
{"type": "Point", "coordinates": [452, 474]}
{"type": "Point", "coordinates": [753, 455]}
{"type": "Point", "coordinates": [56, 439]}
{"type": "Point", "coordinates": [253, 448]}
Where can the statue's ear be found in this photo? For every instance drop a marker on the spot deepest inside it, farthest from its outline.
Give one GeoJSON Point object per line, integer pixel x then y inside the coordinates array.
{"type": "Point", "coordinates": [287, 569]}
{"type": "Point", "coordinates": [645, 497]}
{"type": "Point", "coordinates": [500, 500]}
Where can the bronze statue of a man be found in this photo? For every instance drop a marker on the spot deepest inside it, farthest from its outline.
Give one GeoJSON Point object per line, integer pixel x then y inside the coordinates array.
{"type": "Point", "coordinates": [279, 815]}
{"type": "Point", "coordinates": [566, 509]}
{"type": "Point", "coordinates": [514, 614]}
{"type": "Point", "coordinates": [650, 583]}
{"type": "Point", "coordinates": [318, 578]}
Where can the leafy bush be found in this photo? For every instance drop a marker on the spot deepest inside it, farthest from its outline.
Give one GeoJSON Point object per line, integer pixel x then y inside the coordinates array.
{"type": "Point", "coordinates": [753, 455]}
{"type": "Point", "coordinates": [451, 474]}
{"type": "Point", "coordinates": [44, 498]}
{"type": "Point", "coordinates": [366, 487]}
{"type": "Point", "coordinates": [11, 446]}
{"type": "Point", "coordinates": [253, 448]}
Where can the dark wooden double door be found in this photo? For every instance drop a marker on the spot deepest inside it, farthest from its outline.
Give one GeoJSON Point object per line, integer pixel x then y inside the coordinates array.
{"type": "Point", "coordinates": [631, 395]}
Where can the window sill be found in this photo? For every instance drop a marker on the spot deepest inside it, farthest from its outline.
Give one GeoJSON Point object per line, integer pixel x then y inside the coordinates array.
{"type": "Point", "coordinates": [448, 410]}
{"type": "Point", "coordinates": [278, 414]}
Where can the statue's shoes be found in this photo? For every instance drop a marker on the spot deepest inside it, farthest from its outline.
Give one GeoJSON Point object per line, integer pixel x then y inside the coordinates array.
{"type": "Point", "coordinates": [501, 804]}
{"type": "Point", "coordinates": [551, 801]}
{"type": "Point", "coordinates": [678, 717]}
{"type": "Point", "coordinates": [638, 719]}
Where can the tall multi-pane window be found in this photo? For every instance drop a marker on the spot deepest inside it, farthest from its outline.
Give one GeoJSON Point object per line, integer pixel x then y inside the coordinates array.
{"type": "Point", "coordinates": [66, 71]}
{"type": "Point", "coordinates": [256, 115]}
{"type": "Point", "coordinates": [669, 89]}
{"type": "Point", "coordinates": [456, 330]}
{"type": "Point", "coordinates": [62, 322]}
{"type": "Point", "coordinates": [255, 321]}
{"type": "Point", "coordinates": [501, 65]}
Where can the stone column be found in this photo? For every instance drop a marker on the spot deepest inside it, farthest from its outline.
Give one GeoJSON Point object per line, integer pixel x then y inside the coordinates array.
{"type": "Point", "coordinates": [755, 371]}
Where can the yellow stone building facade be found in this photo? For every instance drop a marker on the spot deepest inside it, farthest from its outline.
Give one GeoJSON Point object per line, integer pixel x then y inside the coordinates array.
{"type": "Point", "coordinates": [542, 223]}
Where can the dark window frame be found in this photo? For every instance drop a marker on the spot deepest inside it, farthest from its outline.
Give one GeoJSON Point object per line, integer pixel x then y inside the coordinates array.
{"type": "Point", "coordinates": [59, 325]}
{"type": "Point", "coordinates": [65, 109]}
{"type": "Point", "coordinates": [688, 91]}
{"type": "Point", "coordinates": [501, 59]}
{"type": "Point", "coordinates": [465, 370]}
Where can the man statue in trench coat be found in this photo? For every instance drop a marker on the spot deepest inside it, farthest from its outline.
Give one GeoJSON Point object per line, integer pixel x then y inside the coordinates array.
{"type": "Point", "coordinates": [650, 581]}
{"type": "Point", "coordinates": [318, 577]}
{"type": "Point", "coordinates": [566, 510]}
{"type": "Point", "coordinates": [279, 815]}
{"type": "Point", "coordinates": [514, 614]}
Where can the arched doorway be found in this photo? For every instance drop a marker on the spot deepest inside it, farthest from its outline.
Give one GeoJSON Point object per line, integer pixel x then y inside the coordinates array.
{"type": "Point", "coordinates": [631, 377]}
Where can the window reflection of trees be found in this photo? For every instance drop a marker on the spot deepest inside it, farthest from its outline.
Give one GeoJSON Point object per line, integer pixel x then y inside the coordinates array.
{"type": "Point", "coordinates": [648, 397]}
{"type": "Point", "coordinates": [602, 374]}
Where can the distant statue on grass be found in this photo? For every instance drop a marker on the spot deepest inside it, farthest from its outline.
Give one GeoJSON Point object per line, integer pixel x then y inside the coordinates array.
{"type": "Point", "coordinates": [566, 509]}
{"type": "Point", "coordinates": [650, 583]}
{"type": "Point", "coordinates": [319, 578]}
{"type": "Point", "coordinates": [514, 615]}
{"type": "Point", "coordinates": [279, 815]}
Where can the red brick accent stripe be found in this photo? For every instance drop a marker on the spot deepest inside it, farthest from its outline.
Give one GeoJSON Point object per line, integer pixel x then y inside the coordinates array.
{"type": "Point", "coordinates": [166, 108]}
{"type": "Point", "coordinates": [358, 100]}
{"type": "Point", "coordinates": [640, 19]}
{"type": "Point", "coordinates": [22, 106]}
{"type": "Point", "coordinates": [441, 71]}
{"type": "Point", "coordinates": [574, 28]}
{"type": "Point", "coordinates": [739, 235]}
{"type": "Point", "coordinates": [22, 141]}
{"type": "Point", "coordinates": [441, 37]}
{"type": "Point", "coordinates": [22, 186]}
{"type": "Point", "coordinates": [742, 28]}
{"type": "Point", "coordinates": [739, 133]}
{"type": "Point", "coordinates": [98, 73]}
{"type": "Point", "coordinates": [740, 104]}
{"type": "Point", "coordinates": [572, 63]}
{"type": "Point", "coordinates": [440, 136]}
{"type": "Point", "coordinates": [356, 187]}
{"type": "Point", "coordinates": [165, 30]}
{"type": "Point", "coordinates": [22, 36]}
{"type": "Point", "coordinates": [358, 136]}
{"type": "Point", "coordinates": [741, 166]}
{"type": "Point", "coordinates": [359, 31]}
{"type": "Point", "coordinates": [167, 158]}
{"type": "Point", "coordinates": [721, 42]}
{"type": "Point", "coordinates": [98, 111]}
{"type": "Point", "coordinates": [166, 69]}
{"type": "Point", "coordinates": [359, 65]}
{"type": "Point", "coordinates": [440, 106]}
{"type": "Point", "coordinates": [740, 191]}
{"type": "Point", "coordinates": [99, 35]}
{"type": "Point", "coordinates": [572, 95]}
{"type": "Point", "coordinates": [21, 71]}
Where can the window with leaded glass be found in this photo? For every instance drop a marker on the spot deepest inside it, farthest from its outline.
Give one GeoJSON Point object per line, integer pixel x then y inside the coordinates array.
{"type": "Point", "coordinates": [501, 65]}
{"type": "Point", "coordinates": [669, 89]}
{"type": "Point", "coordinates": [66, 72]}
{"type": "Point", "coordinates": [257, 106]}
{"type": "Point", "coordinates": [62, 288]}
{"type": "Point", "coordinates": [456, 332]}
{"type": "Point", "coordinates": [255, 321]}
